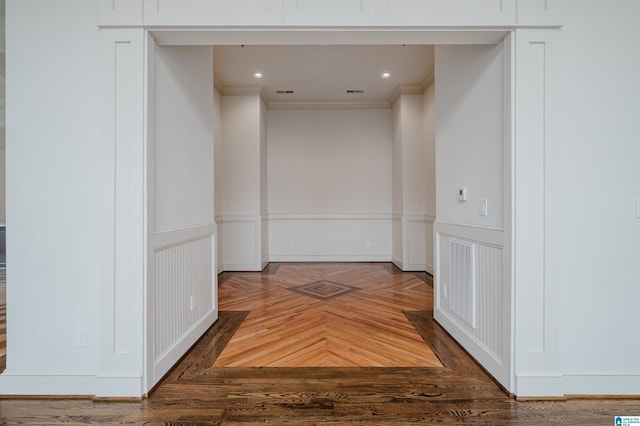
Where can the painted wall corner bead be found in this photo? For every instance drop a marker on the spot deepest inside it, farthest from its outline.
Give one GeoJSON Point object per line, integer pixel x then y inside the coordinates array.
{"type": "Point", "coordinates": [347, 13]}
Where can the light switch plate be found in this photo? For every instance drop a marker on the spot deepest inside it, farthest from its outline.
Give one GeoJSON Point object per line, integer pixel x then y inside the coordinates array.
{"type": "Point", "coordinates": [638, 208]}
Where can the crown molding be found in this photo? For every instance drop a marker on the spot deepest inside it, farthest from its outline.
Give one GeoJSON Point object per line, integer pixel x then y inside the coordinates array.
{"type": "Point", "coordinates": [242, 91]}
{"type": "Point", "coordinates": [429, 80]}
{"type": "Point", "coordinates": [329, 105]}
{"type": "Point", "coordinates": [405, 89]}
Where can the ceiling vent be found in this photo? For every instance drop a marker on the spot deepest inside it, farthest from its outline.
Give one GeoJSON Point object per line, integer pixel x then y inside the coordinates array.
{"type": "Point", "coordinates": [284, 92]}
{"type": "Point", "coordinates": [354, 91]}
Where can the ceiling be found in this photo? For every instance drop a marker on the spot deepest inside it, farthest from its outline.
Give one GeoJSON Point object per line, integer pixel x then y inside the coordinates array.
{"type": "Point", "coordinates": [323, 74]}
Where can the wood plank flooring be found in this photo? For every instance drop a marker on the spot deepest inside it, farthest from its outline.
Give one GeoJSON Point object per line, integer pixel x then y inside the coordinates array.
{"type": "Point", "coordinates": [325, 322]}
{"type": "Point", "coordinates": [197, 393]}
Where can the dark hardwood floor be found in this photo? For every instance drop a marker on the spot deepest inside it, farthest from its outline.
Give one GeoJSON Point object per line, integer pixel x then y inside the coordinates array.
{"type": "Point", "coordinates": [197, 393]}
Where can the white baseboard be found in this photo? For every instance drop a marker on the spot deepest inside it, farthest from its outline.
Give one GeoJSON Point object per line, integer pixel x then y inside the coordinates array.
{"type": "Point", "coordinates": [560, 384]}
{"type": "Point", "coordinates": [328, 258]}
{"type": "Point", "coordinates": [538, 385]}
{"type": "Point", "coordinates": [489, 360]}
{"type": "Point", "coordinates": [429, 268]}
{"type": "Point", "coordinates": [166, 360]}
{"type": "Point", "coordinates": [248, 267]}
{"type": "Point", "coordinates": [89, 384]}
{"type": "Point", "coordinates": [123, 385]}
{"type": "Point", "coordinates": [414, 267]}
{"type": "Point", "coordinates": [398, 262]}
{"type": "Point", "coordinates": [43, 382]}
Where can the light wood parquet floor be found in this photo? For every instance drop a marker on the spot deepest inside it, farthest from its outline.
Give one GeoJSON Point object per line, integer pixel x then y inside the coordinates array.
{"type": "Point", "coordinates": [342, 315]}
{"type": "Point", "coordinates": [196, 392]}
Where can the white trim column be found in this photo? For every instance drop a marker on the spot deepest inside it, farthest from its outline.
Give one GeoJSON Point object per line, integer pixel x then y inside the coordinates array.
{"type": "Point", "coordinates": [123, 271]}
{"type": "Point", "coordinates": [535, 305]}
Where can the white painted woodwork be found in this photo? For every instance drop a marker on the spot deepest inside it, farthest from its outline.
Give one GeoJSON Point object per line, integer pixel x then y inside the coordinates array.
{"type": "Point", "coordinates": [429, 167]}
{"type": "Point", "coordinates": [588, 174]}
{"type": "Point", "coordinates": [461, 282]}
{"type": "Point", "coordinates": [471, 294]}
{"type": "Point", "coordinates": [330, 237]}
{"type": "Point", "coordinates": [184, 293]}
{"type": "Point", "coordinates": [535, 301]}
{"type": "Point", "coordinates": [412, 147]}
{"type": "Point", "coordinates": [242, 180]}
{"type": "Point", "coordinates": [358, 13]}
{"type": "Point", "coordinates": [471, 106]}
{"type": "Point", "coordinates": [124, 186]}
{"type": "Point", "coordinates": [241, 242]}
{"type": "Point", "coordinates": [182, 233]}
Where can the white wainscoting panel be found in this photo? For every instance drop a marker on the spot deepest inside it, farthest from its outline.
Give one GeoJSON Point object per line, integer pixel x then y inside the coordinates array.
{"type": "Point", "coordinates": [241, 242]}
{"type": "Point", "coordinates": [462, 282]}
{"type": "Point", "coordinates": [413, 242]}
{"type": "Point", "coordinates": [264, 246]}
{"type": "Point", "coordinates": [429, 255]}
{"type": "Point", "coordinates": [416, 244]}
{"type": "Point", "coordinates": [397, 243]}
{"type": "Point", "coordinates": [338, 237]}
{"type": "Point", "coordinates": [472, 297]}
{"type": "Point", "coordinates": [415, 230]}
{"type": "Point", "coordinates": [184, 293]}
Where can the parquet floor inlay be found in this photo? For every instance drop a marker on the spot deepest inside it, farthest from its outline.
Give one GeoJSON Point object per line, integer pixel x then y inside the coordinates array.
{"type": "Point", "coordinates": [324, 290]}
{"type": "Point", "coordinates": [326, 322]}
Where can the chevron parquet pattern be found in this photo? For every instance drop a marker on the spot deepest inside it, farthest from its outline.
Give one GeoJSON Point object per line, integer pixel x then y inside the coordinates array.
{"type": "Point", "coordinates": [362, 325]}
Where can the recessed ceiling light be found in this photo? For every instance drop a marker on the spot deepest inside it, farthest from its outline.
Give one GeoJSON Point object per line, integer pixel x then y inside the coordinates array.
{"type": "Point", "coordinates": [385, 75]}
{"type": "Point", "coordinates": [258, 75]}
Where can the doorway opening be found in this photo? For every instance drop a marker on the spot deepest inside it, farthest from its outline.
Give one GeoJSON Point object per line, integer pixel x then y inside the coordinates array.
{"type": "Point", "coordinates": [250, 239]}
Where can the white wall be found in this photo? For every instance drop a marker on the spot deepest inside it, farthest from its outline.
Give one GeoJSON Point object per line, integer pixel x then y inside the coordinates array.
{"type": "Point", "coordinates": [396, 184]}
{"type": "Point", "coordinates": [241, 139]}
{"type": "Point", "coordinates": [53, 170]}
{"type": "Point", "coordinates": [411, 175]}
{"type": "Point", "coordinates": [2, 116]}
{"type": "Point", "coordinates": [218, 168]}
{"type": "Point", "coordinates": [470, 107]}
{"type": "Point", "coordinates": [329, 161]}
{"type": "Point", "coordinates": [593, 236]}
{"type": "Point", "coordinates": [240, 216]}
{"type": "Point", "coordinates": [3, 156]}
{"type": "Point", "coordinates": [469, 133]}
{"type": "Point", "coordinates": [183, 137]}
{"type": "Point", "coordinates": [329, 184]}
{"type": "Point", "coordinates": [53, 195]}
{"type": "Point", "coordinates": [429, 164]}
{"type": "Point", "coordinates": [182, 276]}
